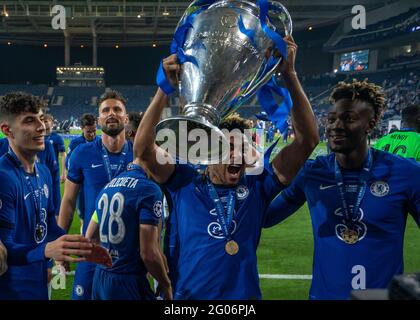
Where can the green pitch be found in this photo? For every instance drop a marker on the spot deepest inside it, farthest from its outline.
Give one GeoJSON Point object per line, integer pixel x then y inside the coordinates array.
{"type": "Point", "coordinates": [286, 249]}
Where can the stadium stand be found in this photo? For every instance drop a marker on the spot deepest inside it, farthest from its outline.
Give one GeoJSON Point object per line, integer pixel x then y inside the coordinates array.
{"type": "Point", "coordinates": [68, 103]}
{"type": "Point", "coordinates": [38, 90]}
{"type": "Point", "coordinates": [118, 45]}
{"type": "Point", "coordinates": [404, 23]}
{"type": "Point", "coordinates": [400, 61]}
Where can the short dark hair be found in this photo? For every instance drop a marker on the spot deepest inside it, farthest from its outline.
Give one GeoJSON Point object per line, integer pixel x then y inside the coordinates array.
{"type": "Point", "coordinates": [408, 114]}
{"type": "Point", "coordinates": [234, 121]}
{"type": "Point", "coordinates": [112, 94]}
{"type": "Point", "coordinates": [363, 91]}
{"type": "Point", "coordinates": [15, 103]}
{"type": "Point", "coordinates": [134, 118]}
{"type": "Point", "coordinates": [87, 119]}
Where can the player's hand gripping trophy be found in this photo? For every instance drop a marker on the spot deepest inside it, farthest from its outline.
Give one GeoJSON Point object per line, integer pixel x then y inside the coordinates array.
{"type": "Point", "coordinates": [228, 50]}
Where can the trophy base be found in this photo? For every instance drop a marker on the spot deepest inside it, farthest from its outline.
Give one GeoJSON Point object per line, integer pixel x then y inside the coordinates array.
{"type": "Point", "coordinates": [192, 140]}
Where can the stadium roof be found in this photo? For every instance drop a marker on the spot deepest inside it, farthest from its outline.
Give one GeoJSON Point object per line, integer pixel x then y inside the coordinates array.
{"type": "Point", "coordinates": [137, 23]}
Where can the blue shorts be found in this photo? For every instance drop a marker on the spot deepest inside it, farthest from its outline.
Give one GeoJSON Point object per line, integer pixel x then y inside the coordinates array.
{"type": "Point", "coordinates": [83, 279]}
{"type": "Point", "coordinates": [115, 286]}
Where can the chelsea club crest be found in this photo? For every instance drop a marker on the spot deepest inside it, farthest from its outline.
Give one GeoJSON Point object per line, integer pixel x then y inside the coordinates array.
{"type": "Point", "coordinates": [242, 192]}
{"type": "Point", "coordinates": [379, 188]}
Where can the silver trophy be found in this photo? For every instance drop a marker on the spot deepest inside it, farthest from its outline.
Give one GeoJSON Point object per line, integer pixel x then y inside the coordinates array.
{"type": "Point", "coordinates": [231, 66]}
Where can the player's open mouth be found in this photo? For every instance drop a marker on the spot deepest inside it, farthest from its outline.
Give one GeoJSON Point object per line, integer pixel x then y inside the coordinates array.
{"type": "Point", "coordinates": [234, 169]}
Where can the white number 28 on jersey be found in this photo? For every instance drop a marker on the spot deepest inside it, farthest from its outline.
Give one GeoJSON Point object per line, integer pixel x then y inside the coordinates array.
{"type": "Point", "coordinates": [115, 208]}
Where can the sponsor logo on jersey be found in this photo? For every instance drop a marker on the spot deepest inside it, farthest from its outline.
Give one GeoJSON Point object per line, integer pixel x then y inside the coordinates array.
{"type": "Point", "coordinates": [214, 229]}
{"type": "Point", "coordinates": [41, 227]}
{"type": "Point", "coordinates": [358, 226]}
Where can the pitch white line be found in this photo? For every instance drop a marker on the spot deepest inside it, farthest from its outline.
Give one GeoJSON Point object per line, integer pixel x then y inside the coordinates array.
{"type": "Point", "coordinates": [262, 276]}
{"type": "Point", "coordinates": [286, 276]}
{"type": "Point", "coordinates": [68, 273]}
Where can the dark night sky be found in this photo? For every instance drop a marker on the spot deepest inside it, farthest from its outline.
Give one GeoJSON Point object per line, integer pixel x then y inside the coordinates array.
{"type": "Point", "coordinates": [133, 65]}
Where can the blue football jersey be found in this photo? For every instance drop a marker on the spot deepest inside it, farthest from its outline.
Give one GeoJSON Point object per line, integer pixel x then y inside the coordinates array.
{"type": "Point", "coordinates": [57, 142]}
{"type": "Point", "coordinates": [87, 168]}
{"type": "Point", "coordinates": [392, 192]}
{"type": "Point", "coordinates": [4, 146]}
{"type": "Point", "coordinates": [200, 267]}
{"type": "Point", "coordinates": [74, 143]}
{"type": "Point", "coordinates": [46, 157]}
{"type": "Point", "coordinates": [25, 229]}
{"type": "Point", "coordinates": [127, 201]}
{"type": "Point", "coordinates": [72, 146]}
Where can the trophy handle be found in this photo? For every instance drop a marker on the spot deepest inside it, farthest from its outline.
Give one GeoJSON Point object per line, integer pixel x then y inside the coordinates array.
{"type": "Point", "coordinates": [189, 11]}
{"type": "Point", "coordinates": [284, 19]}
{"type": "Point", "coordinates": [252, 87]}
{"type": "Point", "coordinates": [284, 22]}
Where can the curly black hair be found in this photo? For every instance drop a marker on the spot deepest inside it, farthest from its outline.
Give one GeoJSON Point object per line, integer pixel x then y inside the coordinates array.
{"type": "Point", "coordinates": [16, 103]}
{"type": "Point", "coordinates": [234, 121]}
{"type": "Point", "coordinates": [363, 91]}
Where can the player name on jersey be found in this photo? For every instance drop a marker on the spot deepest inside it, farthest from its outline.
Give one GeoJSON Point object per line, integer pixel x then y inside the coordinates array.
{"type": "Point", "coordinates": [126, 182]}
{"type": "Point", "coordinates": [399, 136]}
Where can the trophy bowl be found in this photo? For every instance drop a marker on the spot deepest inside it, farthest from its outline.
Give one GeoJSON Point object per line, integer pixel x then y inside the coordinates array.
{"type": "Point", "coordinates": [233, 54]}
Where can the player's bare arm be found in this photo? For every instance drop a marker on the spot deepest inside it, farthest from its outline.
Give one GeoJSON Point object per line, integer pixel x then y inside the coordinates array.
{"type": "Point", "coordinates": [68, 205]}
{"type": "Point", "coordinates": [3, 259]}
{"type": "Point", "coordinates": [146, 152]}
{"type": "Point", "coordinates": [165, 261]}
{"type": "Point", "coordinates": [151, 255]}
{"type": "Point", "coordinates": [99, 255]}
{"type": "Point", "coordinates": [92, 232]}
{"type": "Point", "coordinates": [291, 158]}
{"type": "Point", "coordinates": [63, 156]}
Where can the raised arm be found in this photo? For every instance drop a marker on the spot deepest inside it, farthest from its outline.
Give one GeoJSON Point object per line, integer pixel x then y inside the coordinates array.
{"type": "Point", "coordinates": [291, 158]}
{"type": "Point", "coordinates": [146, 152]}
